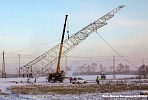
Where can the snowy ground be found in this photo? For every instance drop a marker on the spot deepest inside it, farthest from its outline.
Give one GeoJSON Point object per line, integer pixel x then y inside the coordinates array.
{"type": "Point", "coordinates": [5, 94]}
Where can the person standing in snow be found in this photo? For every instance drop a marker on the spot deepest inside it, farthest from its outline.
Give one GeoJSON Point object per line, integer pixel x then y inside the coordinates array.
{"type": "Point", "coordinates": [97, 79]}
{"type": "Point", "coordinates": [70, 79]}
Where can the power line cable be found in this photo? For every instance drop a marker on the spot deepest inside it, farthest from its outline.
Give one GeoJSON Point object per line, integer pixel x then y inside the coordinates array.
{"type": "Point", "coordinates": [88, 57]}
{"type": "Point", "coordinates": [26, 55]}
{"type": "Point", "coordinates": [34, 46]}
{"type": "Point", "coordinates": [115, 50]}
{"type": "Point", "coordinates": [133, 57]}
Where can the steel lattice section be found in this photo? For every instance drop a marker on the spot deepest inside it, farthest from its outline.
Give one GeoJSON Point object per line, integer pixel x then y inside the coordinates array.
{"type": "Point", "coordinates": [44, 62]}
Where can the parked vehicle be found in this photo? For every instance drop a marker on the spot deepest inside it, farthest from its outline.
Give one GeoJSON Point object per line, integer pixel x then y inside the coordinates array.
{"type": "Point", "coordinates": [78, 81]}
{"type": "Point", "coordinates": [103, 77]}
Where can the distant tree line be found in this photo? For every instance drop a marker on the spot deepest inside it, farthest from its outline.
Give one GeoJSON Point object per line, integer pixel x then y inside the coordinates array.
{"type": "Point", "coordinates": [95, 69]}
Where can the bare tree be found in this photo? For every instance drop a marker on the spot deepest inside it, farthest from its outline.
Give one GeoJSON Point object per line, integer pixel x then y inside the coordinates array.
{"type": "Point", "coordinates": [127, 68]}
{"type": "Point", "coordinates": [120, 67]}
{"type": "Point", "coordinates": [111, 68]}
{"type": "Point", "coordinates": [143, 71]}
{"type": "Point", "coordinates": [104, 69]}
{"type": "Point", "coordinates": [94, 67]}
{"type": "Point", "coordinates": [88, 68]}
{"type": "Point", "coordinates": [101, 67]}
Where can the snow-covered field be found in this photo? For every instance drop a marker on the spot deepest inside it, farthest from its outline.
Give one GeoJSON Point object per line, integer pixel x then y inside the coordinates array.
{"type": "Point", "coordinates": [5, 94]}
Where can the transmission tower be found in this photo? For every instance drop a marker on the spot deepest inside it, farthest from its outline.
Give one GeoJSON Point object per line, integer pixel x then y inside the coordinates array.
{"type": "Point", "coordinates": [44, 62]}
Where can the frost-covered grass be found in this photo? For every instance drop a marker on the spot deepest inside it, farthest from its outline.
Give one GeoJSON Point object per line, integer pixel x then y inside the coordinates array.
{"type": "Point", "coordinates": [75, 88]}
{"type": "Point", "coordinates": [42, 90]}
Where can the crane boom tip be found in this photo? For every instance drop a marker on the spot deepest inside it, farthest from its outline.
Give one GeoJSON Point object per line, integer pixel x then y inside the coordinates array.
{"type": "Point", "coordinates": [122, 6]}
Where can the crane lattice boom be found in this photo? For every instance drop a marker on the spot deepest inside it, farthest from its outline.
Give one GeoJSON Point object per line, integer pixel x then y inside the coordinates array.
{"type": "Point", "coordinates": [45, 61]}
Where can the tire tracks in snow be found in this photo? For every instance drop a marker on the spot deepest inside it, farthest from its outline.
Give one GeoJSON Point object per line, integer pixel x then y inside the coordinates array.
{"type": "Point", "coordinates": [7, 95]}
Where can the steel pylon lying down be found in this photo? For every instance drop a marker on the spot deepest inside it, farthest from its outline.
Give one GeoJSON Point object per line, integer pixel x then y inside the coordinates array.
{"type": "Point", "coordinates": [45, 61]}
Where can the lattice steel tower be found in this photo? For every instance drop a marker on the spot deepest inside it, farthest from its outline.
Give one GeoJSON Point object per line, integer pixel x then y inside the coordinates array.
{"type": "Point", "coordinates": [45, 61]}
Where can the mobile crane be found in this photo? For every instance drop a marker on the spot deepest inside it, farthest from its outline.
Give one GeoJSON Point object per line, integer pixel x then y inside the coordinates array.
{"type": "Point", "coordinates": [58, 75]}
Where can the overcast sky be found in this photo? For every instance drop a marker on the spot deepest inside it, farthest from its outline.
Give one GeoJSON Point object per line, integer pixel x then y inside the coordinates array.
{"type": "Point", "coordinates": [28, 23]}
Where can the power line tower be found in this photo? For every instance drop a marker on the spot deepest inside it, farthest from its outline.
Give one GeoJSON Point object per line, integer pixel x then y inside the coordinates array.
{"type": "Point", "coordinates": [44, 62]}
{"type": "Point", "coordinates": [3, 66]}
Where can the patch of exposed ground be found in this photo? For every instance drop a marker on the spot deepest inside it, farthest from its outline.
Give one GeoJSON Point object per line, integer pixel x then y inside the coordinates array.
{"type": "Point", "coordinates": [75, 88]}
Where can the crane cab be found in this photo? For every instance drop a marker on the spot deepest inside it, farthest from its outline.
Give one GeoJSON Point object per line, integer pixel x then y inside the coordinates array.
{"type": "Point", "coordinates": [54, 77]}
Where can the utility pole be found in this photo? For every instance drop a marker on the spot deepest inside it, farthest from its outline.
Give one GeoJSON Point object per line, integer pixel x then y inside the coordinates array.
{"type": "Point", "coordinates": [2, 70]}
{"type": "Point", "coordinates": [19, 67]}
{"type": "Point", "coordinates": [144, 68]}
{"type": "Point", "coordinates": [30, 75]}
{"type": "Point", "coordinates": [114, 74]}
{"type": "Point", "coordinates": [3, 67]}
{"type": "Point", "coordinates": [143, 61]}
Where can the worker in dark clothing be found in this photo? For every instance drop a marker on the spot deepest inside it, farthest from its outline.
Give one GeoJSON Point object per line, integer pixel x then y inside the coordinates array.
{"type": "Point", "coordinates": [70, 79]}
{"type": "Point", "coordinates": [97, 79]}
